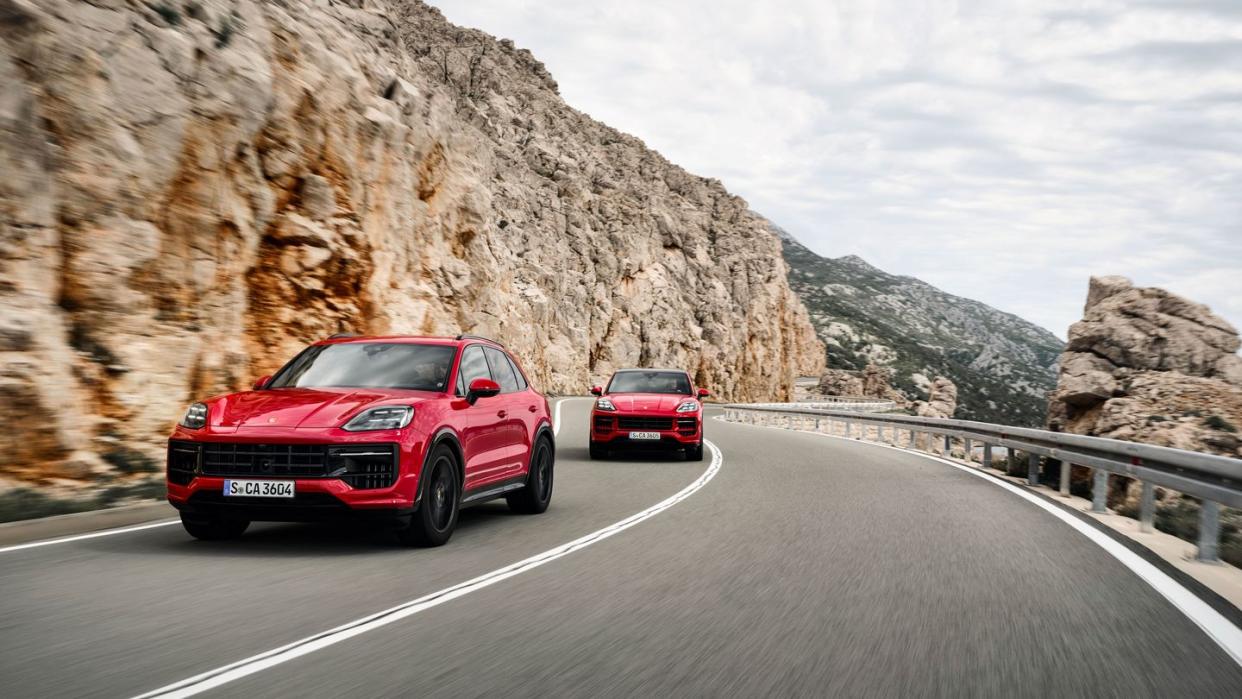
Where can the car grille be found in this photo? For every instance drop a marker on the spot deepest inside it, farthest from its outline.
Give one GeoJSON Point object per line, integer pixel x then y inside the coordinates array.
{"type": "Point", "coordinates": [644, 423]}
{"type": "Point", "coordinates": [603, 423]}
{"type": "Point", "coordinates": [687, 425]}
{"type": "Point", "coordinates": [362, 466]}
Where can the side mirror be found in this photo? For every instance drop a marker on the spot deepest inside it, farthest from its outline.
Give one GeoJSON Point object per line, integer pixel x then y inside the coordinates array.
{"type": "Point", "coordinates": [481, 388]}
{"type": "Point", "coordinates": [703, 393]}
{"type": "Point", "coordinates": [262, 382]}
{"type": "Point", "coordinates": [597, 391]}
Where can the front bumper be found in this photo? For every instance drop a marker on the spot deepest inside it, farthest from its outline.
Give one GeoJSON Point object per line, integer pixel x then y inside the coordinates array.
{"type": "Point", "coordinates": [195, 477]}
{"type": "Point", "coordinates": [676, 430]}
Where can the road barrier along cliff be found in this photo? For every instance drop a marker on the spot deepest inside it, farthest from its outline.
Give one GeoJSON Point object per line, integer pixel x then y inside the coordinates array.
{"type": "Point", "coordinates": [1216, 480]}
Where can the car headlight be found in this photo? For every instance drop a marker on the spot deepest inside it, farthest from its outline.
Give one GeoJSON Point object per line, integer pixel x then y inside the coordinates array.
{"type": "Point", "coordinates": [605, 404]}
{"type": "Point", "coordinates": [195, 417]}
{"type": "Point", "coordinates": [389, 417]}
{"type": "Point", "coordinates": [688, 407]}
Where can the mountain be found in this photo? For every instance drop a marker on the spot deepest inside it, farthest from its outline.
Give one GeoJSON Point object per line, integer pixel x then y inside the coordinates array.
{"type": "Point", "coordinates": [193, 191]}
{"type": "Point", "coordinates": [1003, 366]}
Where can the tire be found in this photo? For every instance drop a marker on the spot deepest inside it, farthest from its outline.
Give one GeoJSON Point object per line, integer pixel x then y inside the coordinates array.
{"type": "Point", "coordinates": [598, 452]}
{"type": "Point", "coordinates": [432, 524]}
{"type": "Point", "coordinates": [537, 495]}
{"type": "Point", "coordinates": [695, 452]}
{"type": "Point", "coordinates": [213, 528]}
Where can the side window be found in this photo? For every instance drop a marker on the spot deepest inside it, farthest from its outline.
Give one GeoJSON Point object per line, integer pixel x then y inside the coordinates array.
{"type": "Point", "coordinates": [517, 374]}
{"type": "Point", "coordinates": [502, 371]}
{"type": "Point", "coordinates": [473, 366]}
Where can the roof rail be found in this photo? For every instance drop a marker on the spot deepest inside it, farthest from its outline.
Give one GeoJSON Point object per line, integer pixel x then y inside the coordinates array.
{"type": "Point", "coordinates": [465, 336]}
{"type": "Point", "coordinates": [341, 336]}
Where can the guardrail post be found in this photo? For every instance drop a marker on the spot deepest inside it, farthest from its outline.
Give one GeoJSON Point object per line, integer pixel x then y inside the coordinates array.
{"type": "Point", "coordinates": [969, 451]}
{"type": "Point", "coordinates": [1099, 491]}
{"type": "Point", "coordinates": [1032, 469]}
{"type": "Point", "coordinates": [1209, 531]}
{"type": "Point", "coordinates": [1147, 507]}
{"type": "Point", "coordinates": [987, 455]}
{"type": "Point", "coordinates": [948, 445]}
{"type": "Point", "coordinates": [1066, 468]}
{"type": "Point", "coordinates": [849, 429]}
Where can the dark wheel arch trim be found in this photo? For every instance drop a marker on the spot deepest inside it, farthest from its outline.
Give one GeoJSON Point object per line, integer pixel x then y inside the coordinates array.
{"type": "Point", "coordinates": [545, 430]}
{"type": "Point", "coordinates": [445, 435]}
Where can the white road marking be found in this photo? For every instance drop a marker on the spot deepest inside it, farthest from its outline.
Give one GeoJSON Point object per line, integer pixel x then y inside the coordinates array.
{"type": "Point", "coordinates": [92, 535]}
{"type": "Point", "coordinates": [263, 661]}
{"type": "Point", "coordinates": [1214, 624]}
{"type": "Point", "coordinates": [556, 430]}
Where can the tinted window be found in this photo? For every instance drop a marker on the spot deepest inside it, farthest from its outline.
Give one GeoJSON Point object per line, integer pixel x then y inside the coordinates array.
{"type": "Point", "coordinates": [649, 382]}
{"type": "Point", "coordinates": [517, 373]}
{"type": "Point", "coordinates": [369, 365]}
{"type": "Point", "coordinates": [502, 371]}
{"type": "Point", "coordinates": [473, 366]}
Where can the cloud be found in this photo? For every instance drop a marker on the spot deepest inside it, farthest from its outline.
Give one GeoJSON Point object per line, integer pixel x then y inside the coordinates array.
{"type": "Point", "coordinates": [1004, 152]}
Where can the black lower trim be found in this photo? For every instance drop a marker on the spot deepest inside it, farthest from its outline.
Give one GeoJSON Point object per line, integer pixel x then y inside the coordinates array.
{"type": "Point", "coordinates": [491, 491]}
{"type": "Point", "coordinates": [305, 507]}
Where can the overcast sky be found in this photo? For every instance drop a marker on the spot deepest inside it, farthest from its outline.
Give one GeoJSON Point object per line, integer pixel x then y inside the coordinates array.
{"type": "Point", "coordinates": [1003, 151]}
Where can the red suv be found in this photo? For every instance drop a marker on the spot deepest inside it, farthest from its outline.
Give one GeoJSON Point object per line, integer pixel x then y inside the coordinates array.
{"type": "Point", "coordinates": [648, 408]}
{"type": "Point", "coordinates": [404, 429]}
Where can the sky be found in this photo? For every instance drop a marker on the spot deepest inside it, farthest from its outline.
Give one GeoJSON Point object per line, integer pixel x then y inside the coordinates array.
{"type": "Point", "coordinates": [1002, 151]}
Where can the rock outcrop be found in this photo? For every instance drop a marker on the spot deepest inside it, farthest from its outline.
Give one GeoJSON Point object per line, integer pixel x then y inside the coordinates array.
{"type": "Point", "coordinates": [872, 382]}
{"type": "Point", "coordinates": [1146, 365]}
{"type": "Point", "coordinates": [941, 399]}
{"type": "Point", "coordinates": [193, 191]}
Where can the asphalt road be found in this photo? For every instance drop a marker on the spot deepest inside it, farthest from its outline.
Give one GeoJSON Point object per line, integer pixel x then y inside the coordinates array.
{"type": "Point", "coordinates": [807, 566]}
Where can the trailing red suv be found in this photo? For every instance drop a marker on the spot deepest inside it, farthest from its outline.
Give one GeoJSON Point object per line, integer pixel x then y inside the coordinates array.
{"type": "Point", "coordinates": [405, 429]}
{"type": "Point", "coordinates": [648, 409]}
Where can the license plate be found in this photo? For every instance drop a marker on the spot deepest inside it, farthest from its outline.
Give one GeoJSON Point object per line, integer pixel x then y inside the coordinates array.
{"type": "Point", "coordinates": [644, 435]}
{"type": "Point", "coordinates": [258, 489]}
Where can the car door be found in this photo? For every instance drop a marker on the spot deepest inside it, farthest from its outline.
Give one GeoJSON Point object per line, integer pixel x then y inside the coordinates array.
{"type": "Point", "coordinates": [509, 407]}
{"type": "Point", "coordinates": [482, 441]}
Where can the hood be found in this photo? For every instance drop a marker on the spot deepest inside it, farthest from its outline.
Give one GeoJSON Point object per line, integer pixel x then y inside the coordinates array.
{"type": "Point", "coordinates": [639, 402]}
{"type": "Point", "coordinates": [301, 407]}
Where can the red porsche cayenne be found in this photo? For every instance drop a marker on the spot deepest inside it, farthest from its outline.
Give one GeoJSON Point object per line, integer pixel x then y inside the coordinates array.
{"type": "Point", "coordinates": [404, 429]}
{"type": "Point", "coordinates": [648, 409]}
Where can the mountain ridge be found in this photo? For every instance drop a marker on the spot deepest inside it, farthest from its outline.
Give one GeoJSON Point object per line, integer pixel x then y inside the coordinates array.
{"type": "Point", "coordinates": [1003, 365]}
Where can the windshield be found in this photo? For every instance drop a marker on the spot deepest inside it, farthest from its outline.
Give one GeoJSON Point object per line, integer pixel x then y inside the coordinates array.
{"type": "Point", "coordinates": [369, 365]}
{"type": "Point", "coordinates": [650, 382]}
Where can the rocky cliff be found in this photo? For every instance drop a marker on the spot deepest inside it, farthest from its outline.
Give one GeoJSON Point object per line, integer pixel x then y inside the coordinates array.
{"type": "Point", "coordinates": [192, 190]}
{"type": "Point", "coordinates": [1146, 365]}
{"type": "Point", "coordinates": [1003, 366]}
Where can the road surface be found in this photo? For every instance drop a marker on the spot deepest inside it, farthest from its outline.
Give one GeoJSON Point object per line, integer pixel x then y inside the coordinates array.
{"type": "Point", "coordinates": [803, 565]}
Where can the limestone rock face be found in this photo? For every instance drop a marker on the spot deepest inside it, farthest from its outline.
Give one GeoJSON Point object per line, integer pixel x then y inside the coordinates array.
{"type": "Point", "coordinates": [941, 399]}
{"type": "Point", "coordinates": [1146, 365]}
{"type": "Point", "coordinates": [194, 191]}
{"type": "Point", "coordinates": [840, 382]}
{"type": "Point", "coordinates": [872, 382]}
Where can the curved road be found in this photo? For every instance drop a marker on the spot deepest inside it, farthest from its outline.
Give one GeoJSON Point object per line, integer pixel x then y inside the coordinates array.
{"type": "Point", "coordinates": [806, 566]}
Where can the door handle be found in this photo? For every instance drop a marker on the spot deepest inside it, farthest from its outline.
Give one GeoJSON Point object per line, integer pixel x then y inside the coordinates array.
{"type": "Point", "coordinates": [502, 413]}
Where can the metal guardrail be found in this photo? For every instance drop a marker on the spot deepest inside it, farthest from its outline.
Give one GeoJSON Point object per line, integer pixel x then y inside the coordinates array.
{"type": "Point", "coordinates": [1216, 480]}
{"type": "Point", "coordinates": [856, 404]}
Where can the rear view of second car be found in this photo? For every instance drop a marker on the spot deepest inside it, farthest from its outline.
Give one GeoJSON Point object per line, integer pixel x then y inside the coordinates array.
{"type": "Point", "coordinates": [648, 409]}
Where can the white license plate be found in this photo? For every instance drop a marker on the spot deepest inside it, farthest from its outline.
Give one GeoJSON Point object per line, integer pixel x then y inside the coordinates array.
{"type": "Point", "coordinates": [644, 435]}
{"type": "Point", "coordinates": [258, 489]}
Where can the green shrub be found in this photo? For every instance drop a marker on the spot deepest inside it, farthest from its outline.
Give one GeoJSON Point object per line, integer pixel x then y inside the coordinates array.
{"type": "Point", "coordinates": [1217, 422]}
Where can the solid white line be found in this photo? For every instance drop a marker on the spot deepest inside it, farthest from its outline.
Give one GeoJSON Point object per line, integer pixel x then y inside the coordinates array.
{"type": "Point", "coordinates": [92, 535]}
{"type": "Point", "coordinates": [257, 663]}
{"type": "Point", "coordinates": [1214, 624]}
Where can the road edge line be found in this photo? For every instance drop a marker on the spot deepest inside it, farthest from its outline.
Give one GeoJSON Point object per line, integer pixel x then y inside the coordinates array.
{"type": "Point", "coordinates": [1214, 625]}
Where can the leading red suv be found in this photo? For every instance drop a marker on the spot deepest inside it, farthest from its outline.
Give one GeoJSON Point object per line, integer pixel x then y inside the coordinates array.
{"type": "Point", "coordinates": [649, 409]}
{"type": "Point", "coordinates": [405, 429]}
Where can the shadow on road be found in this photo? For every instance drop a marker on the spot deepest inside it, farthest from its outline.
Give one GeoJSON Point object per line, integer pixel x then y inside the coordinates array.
{"type": "Point", "coordinates": [275, 539]}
